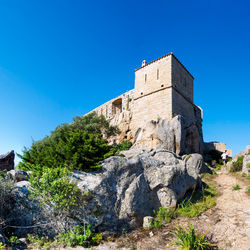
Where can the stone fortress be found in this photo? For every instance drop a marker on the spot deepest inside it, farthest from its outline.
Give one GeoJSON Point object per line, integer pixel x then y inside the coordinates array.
{"type": "Point", "coordinates": [163, 90]}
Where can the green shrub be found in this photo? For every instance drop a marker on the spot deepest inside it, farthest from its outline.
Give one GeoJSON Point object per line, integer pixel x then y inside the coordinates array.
{"type": "Point", "coordinates": [248, 190]}
{"type": "Point", "coordinates": [163, 215]}
{"type": "Point", "coordinates": [237, 165]}
{"type": "Point", "coordinates": [199, 202]}
{"type": "Point", "coordinates": [80, 236]}
{"type": "Point", "coordinates": [7, 198]}
{"type": "Point", "coordinates": [236, 187]}
{"type": "Point", "coordinates": [53, 188]}
{"type": "Point", "coordinates": [188, 239]}
{"type": "Point", "coordinates": [125, 145]}
{"type": "Point", "coordinates": [79, 145]}
{"type": "Point", "coordinates": [2, 247]}
{"type": "Point", "coordinates": [13, 240]}
{"type": "Point", "coordinates": [39, 242]}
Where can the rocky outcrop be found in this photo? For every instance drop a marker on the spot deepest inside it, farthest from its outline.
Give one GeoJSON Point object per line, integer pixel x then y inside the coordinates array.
{"type": "Point", "coordinates": [7, 161]}
{"type": "Point", "coordinates": [177, 135]}
{"type": "Point", "coordinates": [130, 188]}
{"type": "Point", "coordinates": [246, 161]}
{"type": "Point", "coordinates": [120, 195]}
{"type": "Point", "coordinates": [18, 175]}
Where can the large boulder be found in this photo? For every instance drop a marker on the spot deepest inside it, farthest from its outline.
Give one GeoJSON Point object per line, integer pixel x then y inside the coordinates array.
{"type": "Point", "coordinates": [121, 194]}
{"type": "Point", "coordinates": [177, 135]}
{"type": "Point", "coordinates": [130, 188]}
{"type": "Point", "coordinates": [7, 161]}
{"type": "Point", "coordinates": [18, 175]}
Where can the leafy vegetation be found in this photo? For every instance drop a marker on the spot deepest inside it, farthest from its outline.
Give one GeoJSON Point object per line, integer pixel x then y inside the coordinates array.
{"type": "Point", "coordinates": [2, 247]}
{"type": "Point", "coordinates": [6, 197]}
{"type": "Point", "coordinates": [13, 240]}
{"type": "Point", "coordinates": [79, 145]}
{"type": "Point", "coordinates": [199, 202]}
{"type": "Point", "coordinates": [79, 236]}
{"type": "Point", "coordinates": [236, 187]}
{"type": "Point", "coordinates": [52, 187]}
{"type": "Point", "coordinates": [163, 215]}
{"type": "Point", "coordinates": [188, 239]}
{"type": "Point", "coordinates": [237, 165]}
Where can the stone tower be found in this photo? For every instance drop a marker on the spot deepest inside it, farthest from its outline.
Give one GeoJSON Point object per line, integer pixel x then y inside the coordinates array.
{"type": "Point", "coordinates": [163, 89]}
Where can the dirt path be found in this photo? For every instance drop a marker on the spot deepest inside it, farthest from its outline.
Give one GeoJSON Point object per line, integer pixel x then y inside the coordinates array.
{"type": "Point", "coordinates": [227, 224]}
{"type": "Point", "coordinates": [230, 226]}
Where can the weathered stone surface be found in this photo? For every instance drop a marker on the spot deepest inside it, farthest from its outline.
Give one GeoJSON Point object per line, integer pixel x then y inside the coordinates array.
{"type": "Point", "coordinates": [128, 189]}
{"type": "Point", "coordinates": [177, 135]}
{"type": "Point", "coordinates": [148, 222]}
{"type": "Point", "coordinates": [121, 194]}
{"type": "Point", "coordinates": [18, 175]}
{"type": "Point", "coordinates": [246, 164]}
{"type": "Point", "coordinates": [7, 161]}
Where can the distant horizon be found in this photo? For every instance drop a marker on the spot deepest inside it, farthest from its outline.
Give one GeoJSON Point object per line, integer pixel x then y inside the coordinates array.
{"type": "Point", "coordinates": [64, 58]}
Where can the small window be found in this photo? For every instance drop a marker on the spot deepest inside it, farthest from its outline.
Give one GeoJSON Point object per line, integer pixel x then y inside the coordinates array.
{"type": "Point", "coordinates": [145, 78]}
{"type": "Point", "coordinates": [141, 93]}
{"type": "Point", "coordinates": [157, 74]}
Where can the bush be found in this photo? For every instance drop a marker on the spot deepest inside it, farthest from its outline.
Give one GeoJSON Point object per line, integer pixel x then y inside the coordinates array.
{"type": "Point", "coordinates": [126, 145]}
{"type": "Point", "coordinates": [189, 239]}
{"type": "Point", "coordinates": [248, 190]}
{"type": "Point", "coordinates": [236, 187]}
{"type": "Point", "coordinates": [237, 165]}
{"type": "Point", "coordinates": [80, 236]}
{"type": "Point", "coordinates": [2, 247]}
{"type": "Point", "coordinates": [163, 215]}
{"type": "Point", "coordinates": [53, 188]}
{"type": "Point", "coordinates": [6, 198]}
{"type": "Point", "coordinates": [79, 145]}
{"type": "Point", "coordinates": [13, 240]}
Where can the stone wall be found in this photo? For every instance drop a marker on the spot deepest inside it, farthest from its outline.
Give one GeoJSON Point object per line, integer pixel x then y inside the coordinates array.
{"type": "Point", "coordinates": [153, 76]}
{"type": "Point", "coordinates": [182, 80]}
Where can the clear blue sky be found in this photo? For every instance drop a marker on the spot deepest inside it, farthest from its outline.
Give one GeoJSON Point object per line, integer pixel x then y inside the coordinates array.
{"type": "Point", "coordinates": [62, 58]}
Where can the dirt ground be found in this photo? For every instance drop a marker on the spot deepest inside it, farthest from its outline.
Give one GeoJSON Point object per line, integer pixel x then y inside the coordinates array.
{"type": "Point", "coordinates": [227, 224]}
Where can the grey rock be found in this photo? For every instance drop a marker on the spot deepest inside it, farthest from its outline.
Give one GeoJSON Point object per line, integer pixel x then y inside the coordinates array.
{"type": "Point", "coordinates": [246, 164]}
{"type": "Point", "coordinates": [148, 222]}
{"type": "Point", "coordinates": [21, 189]}
{"type": "Point", "coordinates": [178, 135]}
{"type": "Point", "coordinates": [128, 189]}
{"type": "Point", "coordinates": [122, 193]}
{"type": "Point", "coordinates": [18, 175]}
{"type": "Point", "coordinates": [2, 237]}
